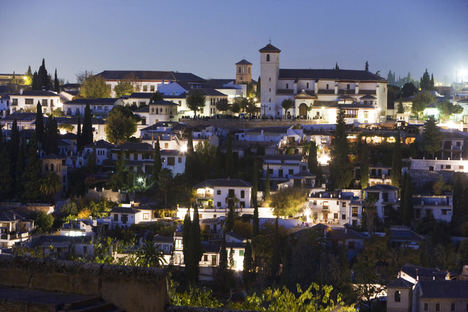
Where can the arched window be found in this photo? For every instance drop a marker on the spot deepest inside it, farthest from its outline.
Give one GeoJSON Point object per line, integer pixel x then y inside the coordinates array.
{"type": "Point", "coordinates": [268, 57]}
{"type": "Point", "coordinates": [397, 296]}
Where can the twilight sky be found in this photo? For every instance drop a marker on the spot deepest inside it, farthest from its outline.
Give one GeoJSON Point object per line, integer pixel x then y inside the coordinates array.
{"type": "Point", "coordinates": [207, 37]}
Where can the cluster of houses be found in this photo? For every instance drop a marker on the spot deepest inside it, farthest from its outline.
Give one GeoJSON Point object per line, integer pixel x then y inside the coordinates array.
{"type": "Point", "coordinates": [316, 97]}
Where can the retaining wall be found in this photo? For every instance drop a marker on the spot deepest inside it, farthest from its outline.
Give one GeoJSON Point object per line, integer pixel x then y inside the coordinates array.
{"type": "Point", "coordinates": [129, 288]}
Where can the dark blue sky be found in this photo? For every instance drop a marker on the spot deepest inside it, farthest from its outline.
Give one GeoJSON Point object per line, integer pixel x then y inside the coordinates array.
{"type": "Point", "coordinates": [207, 37]}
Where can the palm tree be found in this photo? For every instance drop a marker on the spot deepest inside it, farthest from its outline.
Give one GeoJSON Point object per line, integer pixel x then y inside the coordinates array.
{"type": "Point", "coordinates": [150, 256]}
{"type": "Point", "coordinates": [287, 104]}
{"type": "Point", "coordinates": [50, 185]}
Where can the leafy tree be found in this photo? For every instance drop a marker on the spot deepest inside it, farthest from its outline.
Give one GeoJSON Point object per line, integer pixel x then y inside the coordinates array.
{"type": "Point", "coordinates": [421, 101]}
{"type": "Point", "coordinates": [462, 255]}
{"type": "Point", "coordinates": [431, 137]}
{"type": "Point", "coordinates": [156, 97]}
{"type": "Point", "coordinates": [39, 128]}
{"type": "Point", "coordinates": [120, 124]}
{"type": "Point", "coordinates": [250, 107]}
{"type": "Point", "coordinates": [124, 87]}
{"type": "Point", "coordinates": [396, 162]}
{"type": "Point", "coordinates": [341, 172]}
{"type": "Point", "coordinates": [195, 101]}
{"type": "Point", "coordinates": [315, 298]}
{"type": "Point", "coordinates": [287, 104]}
{"type": "Point", "coordinates": [87, 131]}
{"type": "Point", "coordinates": [222, 105]}
{"type": "Point", "coordinates": [43, 221]}
{"type": "Point", "coordinates": [408, 90]}
{"type": "Point", "coordinates": [192, 297]}
{"type": "Point", "coordinates": [119, 178]}
{"type": "Point", "coordinates": [94, 87]}
{"type": "Point", "coordinates": [288, 202]}
{"type": "Point", "coordinates": [164, 182]}
{"type": "Point", "coordinates": [447, 108]}
{"type": "Point", "coordinates": [56, 82]}
{"type": "Point", "coordinates": [364, 163]}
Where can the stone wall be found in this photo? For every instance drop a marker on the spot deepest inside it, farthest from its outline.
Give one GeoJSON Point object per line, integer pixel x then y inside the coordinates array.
{"type": "Point", "coordinates": [129, 288]}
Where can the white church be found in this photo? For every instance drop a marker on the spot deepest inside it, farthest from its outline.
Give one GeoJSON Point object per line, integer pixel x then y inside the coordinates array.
{"type": "Point", "coordinates": [318, 94]}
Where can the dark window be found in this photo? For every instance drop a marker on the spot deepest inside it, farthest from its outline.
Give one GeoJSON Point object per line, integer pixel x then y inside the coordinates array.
{"type": "Point", "coordinates": [397, 296]}
{"type": "Point", "coordinates": [290, 171]}
{"type": "Point", "coordinates": [116, 217]}
{"type": "Point", "coordinates": [335, 216]}
{"type": "Point", "coordinates": [124, 218]}
{"type": "Point", "coordinates": [242, 194]}
{"type": "Point", "coordinates": [170, 161]}
{"type": "Point", "coordinates": [343, 217]}
{"type": "Point", "coordinates": [348, 86]}
{"type": "Point", "coordinates": [205, 258]}
{"type": "Point", "coordinates": [287, 86]}
{"type": "Point", "coordinates": [44, 102]}
{"type": "Point", "coordinates": [426, 307]}
{"type": "Point", "coordinates": [231, 193]}
{"type": "Point", "coordinates": [307, 86]}
{"type": "Point", "coordinates": [437, 306]}
{"type": "Point", "coordinates": [218, 192]}
{"type": "Point", "coordinates": [268, 57]}
{"type": "Point", "coordinates": [385, 197]}
{"type": "Point", "coordinates": [452, 307]}
{"type": "Point", "coordinates": [28, 101]}
{"type": "Point", "coordinates": [218, 204]}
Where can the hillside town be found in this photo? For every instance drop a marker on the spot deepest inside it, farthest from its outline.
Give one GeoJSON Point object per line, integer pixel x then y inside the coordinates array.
{"type": "Point", "coordinates": [326, 177]}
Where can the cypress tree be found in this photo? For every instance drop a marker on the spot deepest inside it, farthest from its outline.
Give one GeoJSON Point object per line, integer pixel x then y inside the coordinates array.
{"type": "Point", "coordinates": [32, 174]}
{"type": "Point", "coordinates": [39, 124]}
{"type": "Point", "coordinates": [6, 178]}
{"type": "Point", "coordinates": [19, 171]}
{"type": "Point", "coordinates": [229, 164]}
{"type": "Point", "coordinates": [187, 246]}
{"type": "Point", "coordinates": [56, 82]}
{"type": "Point", "coordinates": [364, 164]}
{"type": "Point", "coordinates": [35, 85]}
{"type": "Point", "coordinates": [275, 264]}
{"type": "Point", "coordinates": [367, 66]}
{"type": "Point", "coordinates": [254, 198]}
{"type": "Point", "coordinates": [267, 184]}
{"type": "Point", "coordinates": [87, 131]}
{"type": "Point", "coordinates": [231, 215]}
{"type": "Point", "coordinates": [156, 161]}
{"type": "Point", "coordinates": [196, 243]}
{"type": "Point", "coordinates": [92, 162]}
{"type": "Point", "coordinates": [14, 140]}
{"type": "Point", "coordinates": [396, 162]}
{"type": "Point", "coordinates": [341, 171]}
{"type": "Point", "coordinates": [231, 258]}
{"type": "Point", "coordinates": [312, 158]}
{"type": "Point", "coordinates": [406, 202]}
{"type": "Point", "coordinates": [223, 259]}
{"type": "Point", "coordinates": [52, 137]}
{"type": "Point", "coordinates": [248, 264]}
{"type": "Point", "coordinates": [44, 78]}
{"type": "Point", "coordinates": [79, 138]}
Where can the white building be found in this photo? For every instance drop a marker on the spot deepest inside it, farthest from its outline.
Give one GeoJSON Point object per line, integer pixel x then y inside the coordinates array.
{"type": "Point", "coordinates": [319, 93]}
{"type": "Point", "coordinates": [455, 165]}
{"type": "Point", "coordinates": [218, 192]}
{"type": "Point", "coordinates": [128, 214]}
{"type": "Point", "coordinates": [100, 106]}
{"type": "Point", "coordinates": [102, 148]}
{"type": "Point", "coordinates": [334, 208]}
{"type": "Point", "coordinates": [145, 80]}
{"type": "Point", "coordinates": [438, 206]}
{"type": "Point", "coordinates": [385, 197]}
{"type": "Point", "coordinates": [283, 167]}
{"type": "Point", "coordinates": [26, 101]}
{"type": "Point", "coordinates": [174, 161]}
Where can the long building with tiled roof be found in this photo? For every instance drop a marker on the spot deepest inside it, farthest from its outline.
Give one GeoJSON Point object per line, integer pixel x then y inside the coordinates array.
{"type": "Point", "coordinates": [319, 94]}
